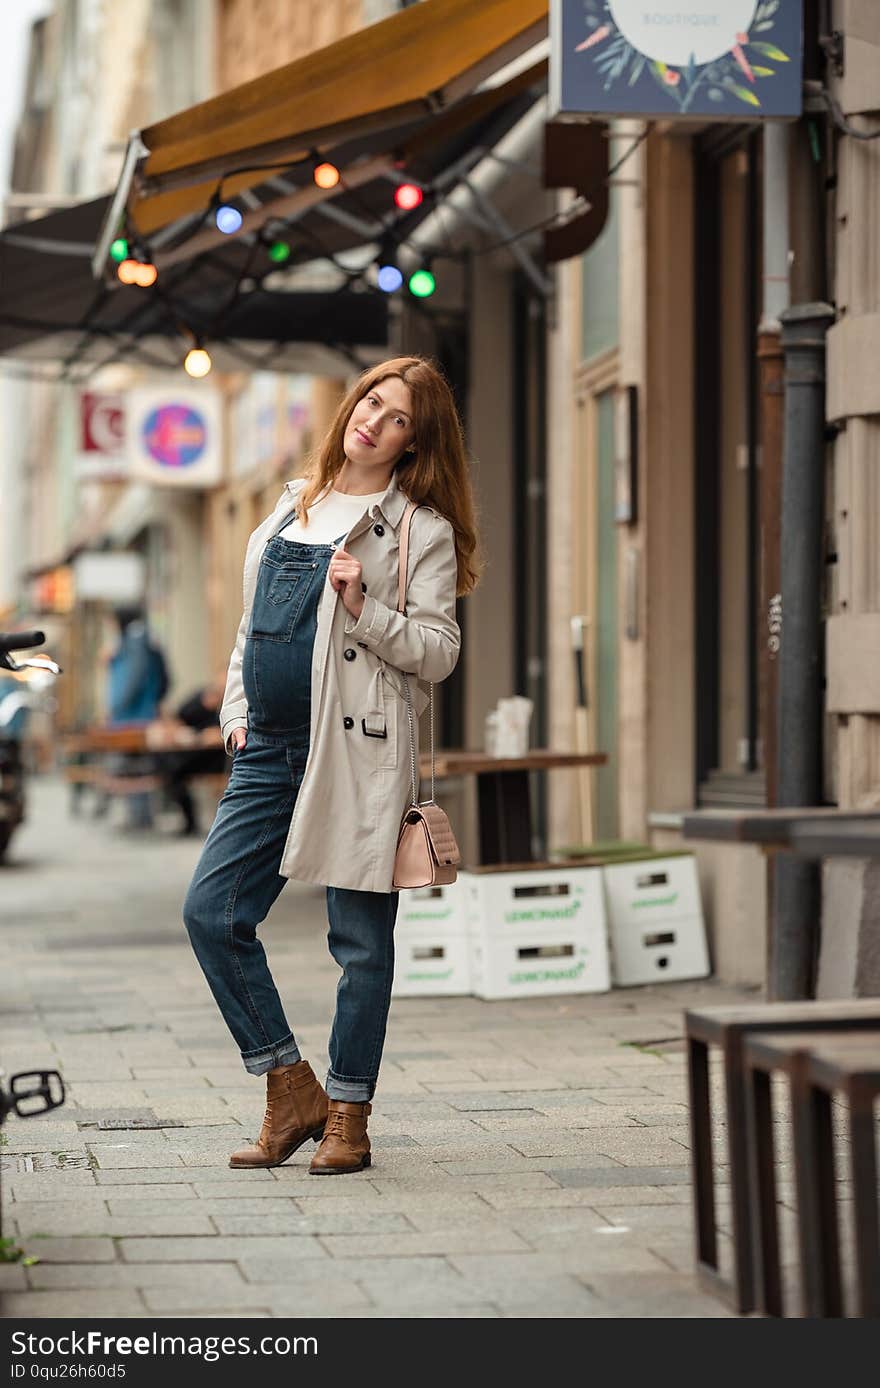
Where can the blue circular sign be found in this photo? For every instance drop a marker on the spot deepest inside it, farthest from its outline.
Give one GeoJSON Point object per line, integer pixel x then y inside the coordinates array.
{"type": "Point", "coordinates": [174, 435]}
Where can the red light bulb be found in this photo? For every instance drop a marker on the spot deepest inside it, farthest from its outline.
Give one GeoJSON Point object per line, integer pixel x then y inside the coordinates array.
{"type": "Point", "coordinates": [407, 196]}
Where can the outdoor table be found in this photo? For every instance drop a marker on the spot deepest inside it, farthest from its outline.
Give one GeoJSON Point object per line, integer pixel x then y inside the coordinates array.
{"type": "Point", "coordinates": [850, 836]}
{"type": "Point", "coordinates": [728, 1028]}
{"type": "Point", "coordinates": [785, 829]}
{"type": "Point", "coordinates": [503, 797]}
{"type": "Point", "coordinates": [818, 1068]}
{"type": "Point", "coordinates": [159, 736]}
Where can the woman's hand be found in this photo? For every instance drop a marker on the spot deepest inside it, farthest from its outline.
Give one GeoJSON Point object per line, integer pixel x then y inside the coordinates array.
{"type": "Point", "coordinates": [344, 573]}
{"type": "Point", "coordinates": [238, 737]}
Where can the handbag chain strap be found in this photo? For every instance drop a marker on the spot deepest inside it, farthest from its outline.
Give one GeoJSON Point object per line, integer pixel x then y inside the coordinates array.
{"type": "Point", "coordinates": [401, 605]}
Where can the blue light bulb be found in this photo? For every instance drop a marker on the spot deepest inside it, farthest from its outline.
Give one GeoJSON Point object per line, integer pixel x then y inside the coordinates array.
{"type": "Point", "coordinates": [228, 219]}
{"type": "Point", "coordinates": [390, 278]}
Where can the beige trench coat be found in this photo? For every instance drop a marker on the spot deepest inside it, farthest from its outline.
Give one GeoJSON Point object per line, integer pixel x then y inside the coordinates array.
{"type": "Point", "coordinates": [356, 786]}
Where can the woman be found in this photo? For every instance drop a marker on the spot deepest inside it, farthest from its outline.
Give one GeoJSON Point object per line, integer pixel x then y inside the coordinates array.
{"type": "Point", "coordinates": [315, 715]}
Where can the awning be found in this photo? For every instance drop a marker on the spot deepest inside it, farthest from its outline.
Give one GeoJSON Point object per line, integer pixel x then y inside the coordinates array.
{"type": "Point", "coordinates": [51, 309]}
{"type": "Point", "coordinates": [422, 96]}
{"type": "Point", "coordinates": [230, 293]}
{"type": "Point", "coordinates": [403, 70]}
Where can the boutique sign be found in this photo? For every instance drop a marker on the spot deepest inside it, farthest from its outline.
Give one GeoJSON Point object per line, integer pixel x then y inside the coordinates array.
{"type": "Point", "coordinates": [721, 59]}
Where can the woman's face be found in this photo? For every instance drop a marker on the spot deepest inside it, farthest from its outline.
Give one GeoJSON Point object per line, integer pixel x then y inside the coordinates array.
{"type": "Point", "coordinates": [381, 426]}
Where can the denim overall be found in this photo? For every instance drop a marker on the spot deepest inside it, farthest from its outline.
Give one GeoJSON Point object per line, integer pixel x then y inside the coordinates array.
{"type": "Point", "coordinates": [237, 877]}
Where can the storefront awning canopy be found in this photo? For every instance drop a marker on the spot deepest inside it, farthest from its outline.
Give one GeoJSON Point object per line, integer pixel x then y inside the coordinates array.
{"type": "Point", "coordinates": [419, 97]}
{"type": "Point", "coordinates": [52, 311]}
{"type": "Point", "coordinates": [401, 71]}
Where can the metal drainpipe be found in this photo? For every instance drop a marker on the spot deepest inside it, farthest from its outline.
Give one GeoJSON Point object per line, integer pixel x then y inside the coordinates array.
{"type": "Point", "coordinates": [797, 897]}
{"type": "Point", "coordinates": [775, 299]}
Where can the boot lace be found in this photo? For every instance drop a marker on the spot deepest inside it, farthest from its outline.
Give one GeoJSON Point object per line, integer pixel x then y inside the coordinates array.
{"type": "Point", "coordinates": [336, 1124]}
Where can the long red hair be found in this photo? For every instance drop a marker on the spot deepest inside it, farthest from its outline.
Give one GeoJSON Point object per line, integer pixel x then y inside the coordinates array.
{"type": "Point", "coordinates": [436, 473]}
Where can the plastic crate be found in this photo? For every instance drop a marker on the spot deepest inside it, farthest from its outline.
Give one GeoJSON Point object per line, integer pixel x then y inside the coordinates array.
{"type": "Point", "coordinates": [430, 963]}
{"type": "Point", "coordinates": [655, 920]}
{"type": "Point", "coordinates": [537, 931]}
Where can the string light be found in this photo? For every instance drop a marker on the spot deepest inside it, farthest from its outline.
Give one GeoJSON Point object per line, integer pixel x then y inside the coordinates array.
{"type": "Point", "coordinates": [119, 249]}
{"type": "Point", "coordinates": [197, 363]}
{"type": "Point", "coordinates": [422, 283]}
{"type": "Point", "coordinates": [408, 196]}
{"type": "Point", "coordinates": [228, 219]}
{"type": "Point", "coordinates": [390, 279]}
{"type": "Point", "coordinates": [326, 175]}
{"type": "Point", "coordinates": [143, 273]}
{"type": "Point", "coordinates": [279, 252]}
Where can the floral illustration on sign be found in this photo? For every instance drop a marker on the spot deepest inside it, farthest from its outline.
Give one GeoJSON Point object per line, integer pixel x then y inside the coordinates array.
{"type": "Point", "coordinates": [737, 64]}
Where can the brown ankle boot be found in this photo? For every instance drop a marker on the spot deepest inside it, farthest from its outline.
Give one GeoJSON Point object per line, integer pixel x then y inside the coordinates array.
{"type": "Point", "coordinates": [346, 1146]}
{"type": "Point", "coordinates": [296, 1109]}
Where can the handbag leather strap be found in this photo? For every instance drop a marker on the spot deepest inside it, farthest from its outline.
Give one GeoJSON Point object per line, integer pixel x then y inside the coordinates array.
{"type": "Point", "coordinates": [402, 564]}
{"type": "Point", "coordinates": [403, 558]}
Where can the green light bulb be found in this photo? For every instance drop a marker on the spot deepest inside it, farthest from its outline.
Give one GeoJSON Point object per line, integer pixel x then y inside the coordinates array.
{"type": "Point", "coordinates": [422, 284]}
{"type": "Point", "coordinates": [279, 251]}
{"type": "Point", "coordinates": [119, 249]}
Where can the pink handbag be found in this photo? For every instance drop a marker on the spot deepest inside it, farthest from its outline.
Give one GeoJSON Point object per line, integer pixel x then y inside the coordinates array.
{"type": "Point", "coordinates": [427, 853]}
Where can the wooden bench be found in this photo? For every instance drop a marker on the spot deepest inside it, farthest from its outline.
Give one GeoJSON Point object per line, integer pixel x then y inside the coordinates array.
{"type": "Point", "coordinates": [844, 1062]}
{"type": "Point", "coordinates": [728, 1028]}
{"type": "Point", "coordinates": [85, 754]}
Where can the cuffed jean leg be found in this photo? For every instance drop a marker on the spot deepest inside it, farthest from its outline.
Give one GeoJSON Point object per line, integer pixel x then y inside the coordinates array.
{"type": "Point", "coordinates": [234, 886]}
{"type": "Point", "coordinates": [361, 941]}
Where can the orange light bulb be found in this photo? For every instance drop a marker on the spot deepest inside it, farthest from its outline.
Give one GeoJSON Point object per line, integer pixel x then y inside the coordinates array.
{"type": "Point", "coordinates": [326, 175]}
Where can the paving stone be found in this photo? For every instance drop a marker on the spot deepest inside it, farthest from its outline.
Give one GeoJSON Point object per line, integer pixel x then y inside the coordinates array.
{"type": "Point", "coordinates": [638, 1295]}
{"type": "Point", "coordinates": [100, 1305]}
{"type": "Point", "coordinates": [449, 1205]}
{"type": "Point", "coordinates": [225, 1277]}
{"type": "Point", "coordinates": [635, 1146]}
{"type": "Point", "coordinates": [98, 1222]}
{"type": "Point", "coordinates": [440, 1241]}
{"type": "Point", "coordinates": [151, 1203]}
{"type": "Point", "coordinates": [397, 1282]}
{"type": "Point", "coordinates": [75, 1249]}
{"type": "Point", "coordinates": [127, 1155]}
{"type": "Point", "coordinates": [596, 1197]}
{"type": "Point", "coordinates": [48, 1185]}
{"type": "Point", "coordinates": [622, 1176]}
{"type": "Point", "coordinates": [181, 1175]}
{"type": "Point", "coordinates": [510, 1160]}
{"type": "Point", "coordinates": [12, 1277]}
{"type": "Point", "coordinates": [652, 1217]}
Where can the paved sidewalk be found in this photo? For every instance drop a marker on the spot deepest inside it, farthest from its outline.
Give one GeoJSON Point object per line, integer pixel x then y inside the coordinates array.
{"type": "Point", "coordinates": [530, 1158]}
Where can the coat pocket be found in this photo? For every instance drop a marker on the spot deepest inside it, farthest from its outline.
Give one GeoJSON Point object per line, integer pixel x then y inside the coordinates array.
{"type": "Point", "coordinates": [417, 693]}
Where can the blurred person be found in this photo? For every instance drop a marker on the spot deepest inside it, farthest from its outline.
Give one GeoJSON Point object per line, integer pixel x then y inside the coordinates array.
{"type": "Point", "coordinates": [199, 711]}
{"type": "Point", "coordinates": [137, 682]}
{"type": "Point", "coordinates": [316, 717]}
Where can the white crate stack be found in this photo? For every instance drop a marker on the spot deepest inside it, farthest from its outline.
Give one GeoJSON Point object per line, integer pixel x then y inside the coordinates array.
{"type": "Point", "coordinates": [536, 932]}
{"type": "Point", "coordinates": [430, 943]}
{"type": "Point", "coordinates": [655, 920]}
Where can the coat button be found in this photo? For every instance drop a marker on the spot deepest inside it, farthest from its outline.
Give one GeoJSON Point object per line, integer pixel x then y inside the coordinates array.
{"type": "Point", "coordinates": [348, 722]}
{"type": "Point", "coordinates": [378, 530]}
{"type": "Point", "coordinates": [349, 653]}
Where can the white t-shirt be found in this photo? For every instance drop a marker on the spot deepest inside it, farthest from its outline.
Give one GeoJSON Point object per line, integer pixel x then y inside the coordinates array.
{"type": "Point", "coordinates": [333, 515]}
